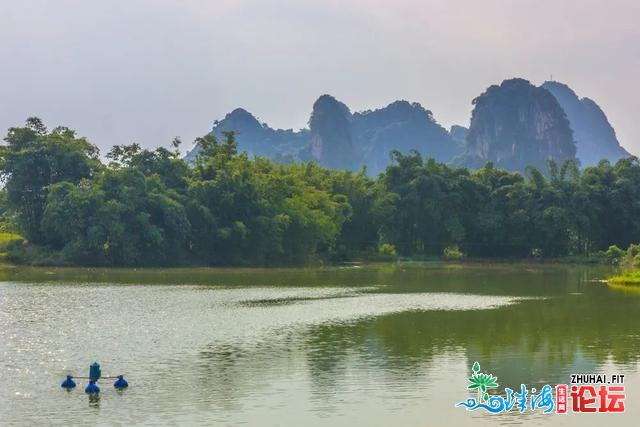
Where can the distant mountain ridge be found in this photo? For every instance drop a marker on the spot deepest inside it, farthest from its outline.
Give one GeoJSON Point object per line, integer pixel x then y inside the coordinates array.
{"type": "Point", "coordinates": [257, 139]}
{"type": "Point", "coordinates": [400, 126]}
{"type": "Point", "coordinates": [595, 137]}
{"type": "Point", "coordinates": [513, 124]}
{"type": "Point", "coordinates": [338, 138]}
{"type": "Point", "coordinates": [516, 125]}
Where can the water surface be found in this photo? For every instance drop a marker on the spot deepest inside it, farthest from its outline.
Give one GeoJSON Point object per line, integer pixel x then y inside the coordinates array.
{"type": "Point", "coordinates": [374, 345]}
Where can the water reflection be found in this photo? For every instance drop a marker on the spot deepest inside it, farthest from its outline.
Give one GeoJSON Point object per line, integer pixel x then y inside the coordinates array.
{"type": "Point", "coordinates": [389, 345]}
{"type": "Point", "coordinates": [94, 400]}
{"type": "Point", "coordinates": [536, 342]}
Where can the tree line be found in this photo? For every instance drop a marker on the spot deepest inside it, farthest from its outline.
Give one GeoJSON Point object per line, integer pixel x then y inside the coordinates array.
{"type": "Point", "coordinates": [147, 207]}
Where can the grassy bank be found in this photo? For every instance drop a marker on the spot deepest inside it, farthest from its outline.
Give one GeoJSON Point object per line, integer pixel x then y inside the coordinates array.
{"type": "Point", "coordinates": [6, 239]}
{"type": "Point", "coordinates": [629, 260]}
{"type": "Point", "coordinates": [628, 278]}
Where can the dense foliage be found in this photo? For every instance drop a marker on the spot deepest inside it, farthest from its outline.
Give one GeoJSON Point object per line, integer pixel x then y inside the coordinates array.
{"type": "Point", "coordinates": [149, 207]}
{"type": "Point", "coordinates": [629, 260]}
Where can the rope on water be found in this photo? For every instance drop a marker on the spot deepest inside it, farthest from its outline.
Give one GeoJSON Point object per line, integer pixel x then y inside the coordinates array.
{"type": "Point", "coordinates": [91, 378]}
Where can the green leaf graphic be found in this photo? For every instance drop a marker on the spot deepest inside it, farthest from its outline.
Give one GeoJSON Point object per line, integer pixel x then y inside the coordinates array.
{"type": "Point", "coordinates": [481, 382]}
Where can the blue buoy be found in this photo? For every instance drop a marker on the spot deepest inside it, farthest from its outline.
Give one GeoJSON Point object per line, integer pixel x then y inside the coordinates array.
{"type": "Point", "coordinates": [94, 371]}
{"type": "Point", "coordinates": [121, 382]}
{"type": "Point", "coordinates": [68, 383]}
{"type": "Point", "coordinates": [92, 387]}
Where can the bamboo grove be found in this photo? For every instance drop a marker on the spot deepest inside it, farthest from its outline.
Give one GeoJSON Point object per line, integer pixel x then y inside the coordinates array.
{"type": "Point", "coordinates": [144, 207]}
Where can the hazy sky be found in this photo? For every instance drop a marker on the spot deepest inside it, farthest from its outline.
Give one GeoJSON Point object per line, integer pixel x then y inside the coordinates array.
{"type": "Point", "coordinates": [121, 71]}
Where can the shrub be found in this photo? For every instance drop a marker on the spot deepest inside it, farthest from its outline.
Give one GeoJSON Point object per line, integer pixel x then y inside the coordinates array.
{"type": "Point", "coordinates": [16, 252]}
{"type": "Point", "coordinates": [387, 250]}
{"type": "Point", "coordinates": [452, 252]}
{"type": "Point", "coordinates": [614, 255]}
{"type": "Point", "coordinates": [633, 250]}
{"type": "Point", "coordinates": [536, 253]}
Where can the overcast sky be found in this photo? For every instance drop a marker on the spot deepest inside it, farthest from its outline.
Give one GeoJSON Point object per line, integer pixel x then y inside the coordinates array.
{"type": "Point", "coordinates": [121, 71]}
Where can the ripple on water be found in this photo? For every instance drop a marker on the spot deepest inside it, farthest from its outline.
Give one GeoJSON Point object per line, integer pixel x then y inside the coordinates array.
{"type": "Point", "coordinates": [190, 350]}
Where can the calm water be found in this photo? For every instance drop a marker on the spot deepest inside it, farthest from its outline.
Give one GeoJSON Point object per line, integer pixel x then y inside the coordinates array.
{"type": "Point", "coordinates": [385, 345]}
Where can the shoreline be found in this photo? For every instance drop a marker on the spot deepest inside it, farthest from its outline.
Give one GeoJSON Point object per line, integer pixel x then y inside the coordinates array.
{"type": "Point", "coordinates": [626, 279]}
{"type": "Point", "coordinates": [587, 261]}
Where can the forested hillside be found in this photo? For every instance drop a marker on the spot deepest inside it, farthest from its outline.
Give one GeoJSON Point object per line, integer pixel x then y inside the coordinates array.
{"type": "Point", "coordinates": [150, 207]}
{"type": "Point", "coordinates": [514, 125]}
{"type": "Point", "coordinates": [337, 138]}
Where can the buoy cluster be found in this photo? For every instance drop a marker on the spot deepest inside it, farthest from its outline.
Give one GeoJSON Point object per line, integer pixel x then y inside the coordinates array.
{"type": "Point", "coordinates": [94, 375]}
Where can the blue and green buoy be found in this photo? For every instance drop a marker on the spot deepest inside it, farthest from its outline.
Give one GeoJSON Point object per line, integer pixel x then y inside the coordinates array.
{"type": "Point", "coordinates": [95, 373]}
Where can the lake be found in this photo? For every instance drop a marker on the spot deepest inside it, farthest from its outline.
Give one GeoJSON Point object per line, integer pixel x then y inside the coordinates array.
{"type": "Point", "coordinates": [379, 345]}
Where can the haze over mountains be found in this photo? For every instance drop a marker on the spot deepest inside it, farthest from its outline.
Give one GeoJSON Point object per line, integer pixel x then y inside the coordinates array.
{"type": "Point", "coordinates": [514, 125]}
{"type": "Point", "coordinates": [595, 137]}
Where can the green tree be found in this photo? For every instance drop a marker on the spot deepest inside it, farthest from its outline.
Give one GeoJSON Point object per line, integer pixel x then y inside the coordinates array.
{"type": "Point", "coordinates": [35, 158]}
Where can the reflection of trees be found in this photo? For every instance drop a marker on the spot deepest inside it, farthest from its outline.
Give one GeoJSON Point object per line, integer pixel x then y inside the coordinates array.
{"type": "Point", "coordinates": [94, 400]}
{"type": "Point", "coordinates": [491, 279]}
{"type": "Point", "coordinates": [213, 277]}
{"type": "Point", "coordinates": [229, 373]}
{"type": "Point", "coordinates": [534, 341]}
{"type": "Point", "coordinates": [327, 356]}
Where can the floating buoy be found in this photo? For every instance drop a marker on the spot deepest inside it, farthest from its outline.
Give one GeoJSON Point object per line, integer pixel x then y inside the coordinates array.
{"type": "Point", "coordinates": [92, 387]}
{"type": "Point", "coordinates": [121, 382]}
{"type": "Point", "coordinates": [69, 383]}
{"type": "Point", "coordinates": [94, 375]}
{"type": "Point", "coordinates": [94, 371]}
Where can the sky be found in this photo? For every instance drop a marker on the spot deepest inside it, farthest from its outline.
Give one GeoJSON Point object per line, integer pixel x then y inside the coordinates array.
{"type": "Point", "coordinates": [145, 71]}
